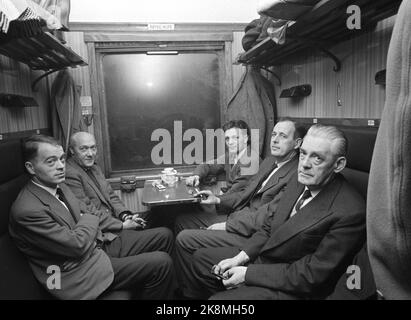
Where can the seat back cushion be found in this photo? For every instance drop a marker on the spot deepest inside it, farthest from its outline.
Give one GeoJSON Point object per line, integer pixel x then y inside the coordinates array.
{"type": "Point", "coordinates": [361, 142]}
{"type": "Point", "coordinates": [357, 283]}
{"type": "Point", "coordinates": [16, 279]}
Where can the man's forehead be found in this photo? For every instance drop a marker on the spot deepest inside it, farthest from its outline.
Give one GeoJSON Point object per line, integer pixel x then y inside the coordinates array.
{"type": "Point", "coordinates": [317, 144]}
{"type": "Point", "coordinates": [85, 140]}
{"type": "Point", "coordinates": [284, 126]}
{"type": "Point", "coordinates": [46, 150]}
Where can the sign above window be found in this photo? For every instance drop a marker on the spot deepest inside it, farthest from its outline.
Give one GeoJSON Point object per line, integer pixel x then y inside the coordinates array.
{"type": "Point", "coordinates": [160, 26]}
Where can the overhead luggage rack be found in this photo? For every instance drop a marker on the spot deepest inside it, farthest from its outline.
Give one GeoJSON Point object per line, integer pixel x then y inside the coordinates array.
{"type": "Point", "coordinates": [323, 26]}
{"type": "Point", "coordinates": [41, 52]}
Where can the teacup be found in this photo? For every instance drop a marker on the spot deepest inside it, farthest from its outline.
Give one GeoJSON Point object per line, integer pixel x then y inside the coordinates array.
{"type": "Point", "coordinates": [169, 176]}
{"type": "Point", "coordinates": [169, 170]}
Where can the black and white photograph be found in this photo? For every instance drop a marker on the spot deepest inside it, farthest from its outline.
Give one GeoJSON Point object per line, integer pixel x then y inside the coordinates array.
{"type": "Point", "coordinates": [199, 157]}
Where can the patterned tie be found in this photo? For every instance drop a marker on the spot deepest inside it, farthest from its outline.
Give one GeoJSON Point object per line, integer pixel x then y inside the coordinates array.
{"type": "Point", "coordinates": [306, 195]}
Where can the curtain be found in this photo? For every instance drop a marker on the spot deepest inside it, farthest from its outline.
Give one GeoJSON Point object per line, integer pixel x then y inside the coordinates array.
{"type": "Point", "coordinates": [389, 188]}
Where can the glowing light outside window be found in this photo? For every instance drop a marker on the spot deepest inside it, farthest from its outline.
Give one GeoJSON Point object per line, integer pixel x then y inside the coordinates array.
{"type": "Point", "coordinates": [146, 92]}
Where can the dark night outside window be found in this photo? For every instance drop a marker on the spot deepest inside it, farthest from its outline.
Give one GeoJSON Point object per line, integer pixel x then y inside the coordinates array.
{"type": "Point", "coordinates": [147, 92]}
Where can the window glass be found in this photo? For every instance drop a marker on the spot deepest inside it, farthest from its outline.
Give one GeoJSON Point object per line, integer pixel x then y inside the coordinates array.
{"type": "Point", "coordinates": [147, 92]}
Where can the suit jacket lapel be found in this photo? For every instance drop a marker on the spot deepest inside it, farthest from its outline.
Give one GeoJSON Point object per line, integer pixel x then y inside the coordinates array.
{"type": "Point", "coordinates": [56, 208]}
{"type": "Point", "coordinates": [310, 214]}
{"type": "Point", "coordinates": [261, 177]}
{"type": "Point", "coordinates": [90, 182]}
{"type": "Point", "coordinates": [283, 171]}
{"type": "Point", "coordinates": [286, 203]}
{"type": "Point", "coordinates": [73, 203]}
{"type": "Point", "coordinates": [103, 194]}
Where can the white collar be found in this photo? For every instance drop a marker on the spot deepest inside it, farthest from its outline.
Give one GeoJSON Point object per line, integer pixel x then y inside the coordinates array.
{"type": "Point", "coordinates": [280, 164]}
{"type": "Point", "coordinates": [313, 192]}
{"type": "Point", "coordinates": [52, 191]}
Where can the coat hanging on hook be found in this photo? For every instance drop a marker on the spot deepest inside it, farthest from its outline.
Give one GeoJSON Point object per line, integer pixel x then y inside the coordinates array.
{"type": "Point", "coordinates": [254, 102]}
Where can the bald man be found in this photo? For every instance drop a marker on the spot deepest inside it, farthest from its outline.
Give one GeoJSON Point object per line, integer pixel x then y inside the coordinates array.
{"type": "Point", "coordinates": [87, 181]}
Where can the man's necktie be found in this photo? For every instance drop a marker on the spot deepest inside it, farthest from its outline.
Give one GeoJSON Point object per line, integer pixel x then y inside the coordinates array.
{"type": "Point", "coordinates": [306, 195]}
{"type": "Point", "coordinates": [62, 198]}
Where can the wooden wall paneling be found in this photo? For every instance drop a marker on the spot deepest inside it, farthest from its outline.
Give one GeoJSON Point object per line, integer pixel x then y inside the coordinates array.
{"type": "Point", "coordinates": [81, 75]}
{"type": "Point", "coordinates": [16, 78]}
{"type": "Point", "coordinates": [133, 200]}
{"type": "Point", "coordinates": [361, 58]}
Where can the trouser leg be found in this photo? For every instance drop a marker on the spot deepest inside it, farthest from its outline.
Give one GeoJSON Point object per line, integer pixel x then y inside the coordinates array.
{"type": "Point", "coordinates": [196, 220]}
{"type": "Point", "coordinates": [188, 241]}
{"type": "Point", "coordinates": [132, 242]}
{"type": "Point", "coordinates": [203, 284]}
{"type": "Point", "coordinates": [150, 274]}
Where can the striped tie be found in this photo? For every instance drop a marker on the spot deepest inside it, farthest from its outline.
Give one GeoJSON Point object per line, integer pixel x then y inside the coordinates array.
{"type": "Point", "coordinates": [306, 195]}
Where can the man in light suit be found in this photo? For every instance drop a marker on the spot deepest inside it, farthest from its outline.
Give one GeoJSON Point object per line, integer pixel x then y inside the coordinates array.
{"type": "Point", "coordinates": [87, 182]}
{"type": "Point", "coordinates": [237, 139]}
{"type": "Point", "coordinates": [94, 252]}
{"type": "Point", "coordinates": [318, 227]}
{"type": "Point", "coordinates": [247, 209]}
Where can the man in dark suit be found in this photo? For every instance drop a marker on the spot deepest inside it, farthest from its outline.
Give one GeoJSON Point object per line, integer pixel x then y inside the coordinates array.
{"type": "Point", "coordinates": [93, 251]}
{"type": "Point", "coordinates": [247, 209]}
{"type": "Point", "coordinates": [239, 163]}
{"type": "Point", "coordinates": [302, 251]}
{"type": "Point", "coordinates": [87, 182]}
{"type": "Point", "coordinates": [239, 155]}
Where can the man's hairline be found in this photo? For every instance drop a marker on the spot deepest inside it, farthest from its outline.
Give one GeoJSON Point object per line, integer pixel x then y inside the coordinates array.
{"type": "Point", "coordinates": [333, 141]}
{"type": "Point", "coordinates": [36, 154]}
{"type": "Point", "coordinates": [293, 123]}
{"type": "Point", "coordinates": [74, 142]}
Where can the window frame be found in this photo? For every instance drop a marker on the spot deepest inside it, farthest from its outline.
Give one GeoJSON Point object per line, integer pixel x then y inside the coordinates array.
{"type": "Point", "coordinates": [102, 44]}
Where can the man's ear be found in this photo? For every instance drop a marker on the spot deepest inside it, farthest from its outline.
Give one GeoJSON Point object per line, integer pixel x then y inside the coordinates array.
{"type": "Point", "coordinates": [29, 167]}
{"type": "Point", "coordinates": [71, 152]}
{"type": "Point", "coordinates": [297, 143]}
{"type": "Point", "coordinates": [340, 164]}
